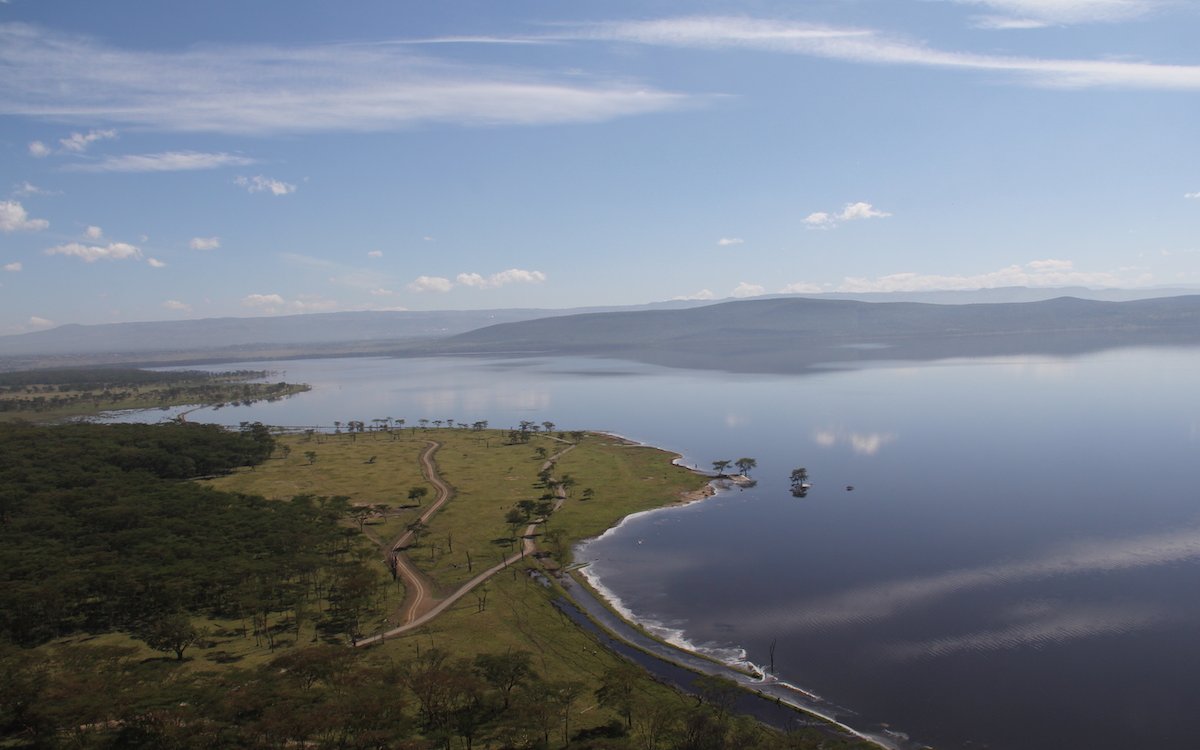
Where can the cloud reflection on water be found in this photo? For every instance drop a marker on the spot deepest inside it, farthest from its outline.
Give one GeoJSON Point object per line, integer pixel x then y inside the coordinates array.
{"type": "Point", "coordinates": [1041, 629]}
{"type": "Point", "coordinates": [862, 443]}
{"type": "Point", "coordinates": [884, 600]}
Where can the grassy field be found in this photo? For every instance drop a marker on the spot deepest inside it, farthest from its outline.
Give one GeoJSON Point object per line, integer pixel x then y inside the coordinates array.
{"type": "Point", "coordinates": [489, 476]}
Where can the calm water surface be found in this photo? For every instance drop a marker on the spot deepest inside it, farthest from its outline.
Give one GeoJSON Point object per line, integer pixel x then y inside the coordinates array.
{"type": "Point", "coordinates": [1018, 565]}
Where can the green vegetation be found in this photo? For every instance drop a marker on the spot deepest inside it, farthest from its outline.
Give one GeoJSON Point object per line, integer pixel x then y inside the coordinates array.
{"type": "Point", "coordinates": [43, 395]}
{"type": "Point", "coordinates": [140, 610]}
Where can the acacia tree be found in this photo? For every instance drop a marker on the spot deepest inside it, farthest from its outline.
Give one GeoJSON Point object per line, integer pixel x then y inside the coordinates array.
{"type": "Point", "coordinates": [721, 466]}
{"type": "Point", "coordinates": [745, 465]}
{"type": "Point", "coordinates": [173, 632]}
{"type": "Point", "coordinates": [417, 493]}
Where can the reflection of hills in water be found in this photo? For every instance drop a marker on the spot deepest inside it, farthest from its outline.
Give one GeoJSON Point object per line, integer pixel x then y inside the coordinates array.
{"type": "Point", "coordinates": [796, 334]}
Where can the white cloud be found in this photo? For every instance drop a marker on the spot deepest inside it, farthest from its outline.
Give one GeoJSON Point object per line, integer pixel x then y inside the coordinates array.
{"type": "Point", "coordinates": [375, 254]}
{"type": "Point", "coordinates": [381, 292]}
{"type": "Point", "coordinates": [38, 150]}
{"type": "Point", "coordinates": [205, 243]}
{"type": "Point", "coordinates": [427, 238]}
{"type": "Point", "coordinates": [801, 287]}
{"type": "Point", "coordinates": [13, 218]}
{"type": "Point", "coordinates": [727, 241]}
{"type": "Point", "coordinates": [36, 322]}
{"type": "Point", "coordinates": [872, 47]}
{"type": "Point", "coordinates": [79, 142]}
{"type": "Point", "coordinates": [13, 267]}
{"type": "Point", "coordinates": [511, 276]}
{"type": "Point", "coordinates": [1192, 195]}
{"type": "Point", "coordinates": [269, 301]}
{"type": "Point", "coordinates": [1035, 13]}
{"type": "Point", "coordinates": [700, 295]}
{"type": "Point", "coordinates": [167, 161]}
{"type": "Point", "coordinates": [93, 233]}
{"type": "Point", "coordinates": [93, 253]}
{"type": "Point", "coordinates": [264, 89]}
{"type": "Point", "coordinates": [852, 212]}
{"type": "Point", "coordinates": [174, 304]}
{"type": "Point", "coordinates": [746, 289]}
{"type": "Point", "coordinates": [155, 263]}
{"type": "Point", "coordinates": [260, 184]}
{"type": "Point", "coordinates": [431, 284]}
{"type": "Point", "coordinates": [1038, 273]}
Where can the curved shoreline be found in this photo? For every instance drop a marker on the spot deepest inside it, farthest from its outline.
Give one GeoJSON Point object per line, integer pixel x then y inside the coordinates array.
{"type": "Point", "coordinates": [605, 609]}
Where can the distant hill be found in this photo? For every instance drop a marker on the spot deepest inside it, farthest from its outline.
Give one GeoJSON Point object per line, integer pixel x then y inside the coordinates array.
{"type": "Point", "coordinates": [793, 334]}
{"type": "Point", "coordinates": [231, 334]}
{"type": "Point", "coordinates": [775, 341]}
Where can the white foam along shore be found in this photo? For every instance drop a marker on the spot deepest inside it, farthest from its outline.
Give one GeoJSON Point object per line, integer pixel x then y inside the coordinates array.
{"type": "Point", "coordinates": [733, 657]}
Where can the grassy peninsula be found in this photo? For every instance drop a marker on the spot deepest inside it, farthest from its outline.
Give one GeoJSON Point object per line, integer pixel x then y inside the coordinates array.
{"type": "Point", "coordinates": [147, 609]}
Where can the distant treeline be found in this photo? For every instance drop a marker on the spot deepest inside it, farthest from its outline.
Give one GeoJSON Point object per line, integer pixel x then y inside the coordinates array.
{"type": "Point", "coordinates": [86, 390]}
{"type": "Point", "coordinates": [99, 377]}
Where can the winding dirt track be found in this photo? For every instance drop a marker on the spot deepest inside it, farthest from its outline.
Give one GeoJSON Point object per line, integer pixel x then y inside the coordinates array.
{"type": "Point", "coordinates": [418, 584]}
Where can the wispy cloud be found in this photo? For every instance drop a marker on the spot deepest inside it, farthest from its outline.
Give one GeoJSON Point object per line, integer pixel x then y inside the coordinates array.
{"type": "Point", "coordinates": [79, 142]}
{"type": "Point", "coordinates": [205, 243]}
{"type": "Point", "coordinates": [260, 184]}
{"type": "Point", "coordinates": [93, 233]}
{"type": "Point", "coordinates": [727, 241]}
{"type": "Point", "coordinates": [852, 212]}
{"type": "Point", "coordinates": [276, 89]}
{"type": "Point", "coordinates": [375, 254]}
{"type": "Point", "coordinates": [1038, 273]}
{"type": "Point", "coordinates": [14, 267]}
{"type": "Point", "coordinates": [703, 294]}
{"type": "Point", "coordinates": [28, 188]}
{"type": "Point", "coordinates": [869, 46]}
{"type": "Point", "coordinates": [275, 303]}
{"type": "Point", "coordinates": [14, 218]}
{"type": "Point", "coordinates": [174, 304]}
{"type": "Point", "coordinates": [1192, 195]}
{"type": "Point", "coordinates": [1019, 14]}
{"type": "Point", "coordinates": [93, 253]}
{"type": "Point", "coordinates": [167, 161]}
{"type": "Point", "coordinates": [39, 150]}
{"type": "Point", "coordinates": [155, 263]}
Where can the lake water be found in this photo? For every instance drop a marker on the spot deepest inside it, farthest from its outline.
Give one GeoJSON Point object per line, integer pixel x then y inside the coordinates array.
{"type": "Point", "coordinates": [1017, 566]}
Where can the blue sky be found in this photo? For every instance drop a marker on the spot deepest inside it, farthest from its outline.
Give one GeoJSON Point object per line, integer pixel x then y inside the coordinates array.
{"type": "Point", "coordinates": [169, 160]}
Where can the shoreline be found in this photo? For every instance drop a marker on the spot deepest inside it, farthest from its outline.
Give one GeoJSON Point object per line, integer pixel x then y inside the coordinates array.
{"type": "Point", "coordinates": [748, 675]}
